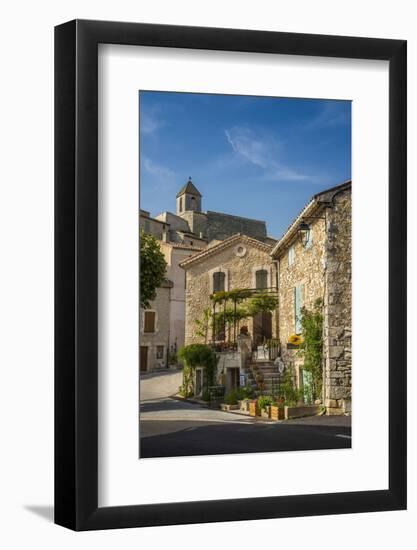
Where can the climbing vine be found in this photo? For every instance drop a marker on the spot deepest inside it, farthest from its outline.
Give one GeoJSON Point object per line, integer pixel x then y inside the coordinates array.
{"type": "Point", "coordinates": [311, 347]}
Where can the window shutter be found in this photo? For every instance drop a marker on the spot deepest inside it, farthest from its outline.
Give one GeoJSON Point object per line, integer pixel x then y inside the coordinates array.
{"type": "Point", "coordinates": [149, 324]}
{"type": "Point", "coordinates": [218, 281]}
{"type": "Point", "coordinates": [261, 279]}
{"type": "Point", "coordinates": [291, 255]}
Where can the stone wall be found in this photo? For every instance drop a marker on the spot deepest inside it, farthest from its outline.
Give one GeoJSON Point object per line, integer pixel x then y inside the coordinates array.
{"type": "Point", "coordinates": [239, 274]}
{"type": "Point", "coordinates": [338, 303]}
{"type": "Point", "coordinates": [307, 269]}
{"type": "Point", "coordinates": [220, 226]}
{"type": "Point", "coordinates": [197, 222]}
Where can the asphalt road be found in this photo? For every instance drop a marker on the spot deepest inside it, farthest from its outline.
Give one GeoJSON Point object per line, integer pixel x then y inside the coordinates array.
{"type": "Point", "coordinates": [170, 427]}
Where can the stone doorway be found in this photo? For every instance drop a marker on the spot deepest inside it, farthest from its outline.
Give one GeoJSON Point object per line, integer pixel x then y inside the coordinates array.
{"type": "Point", "coordinates": [232, 379]}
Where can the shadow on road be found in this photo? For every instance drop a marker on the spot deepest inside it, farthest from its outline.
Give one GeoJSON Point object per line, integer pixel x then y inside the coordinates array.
{"type": "Point", "coordinates": [167, 404]}
{"type": "Point", "coordinates": [158, 374]}
{"type": "Point", "coordinates": [193, 439]}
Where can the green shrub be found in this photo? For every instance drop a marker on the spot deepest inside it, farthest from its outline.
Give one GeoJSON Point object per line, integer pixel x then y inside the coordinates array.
{"type": "Point", "coordinates": [186, 391]}
{"type": "Point", "coordinates": [197, 355]}
{"type": "Point", "coordinates": [288, 393]}
{"type": "Point", "coordinates": [205, 396]}
{"type": "Point", "coordinates": [245, 392]}
{"type": "Point", "coordinates": [231, 398]}
{"type": "Point", "coordinates": [264, 401]}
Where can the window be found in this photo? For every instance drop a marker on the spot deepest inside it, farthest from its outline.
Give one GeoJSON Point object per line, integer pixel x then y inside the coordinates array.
{"type": "Point", "coordinates": [159, 352]}
{"type": "Point", "coordinates": [149, 321]}
{"type": "Point", "coordinates": [192, 203]}
{"type": "Point", "coordinates": [261, 279]}
{"type": "Point", "coordinates": [309, 240]}
{"type": "Point", "coordinates": [218, 281]}
{"type": "Point", "coordinates": [291, 255]}
{"type": "Point", "coordinates": [180, 204]}
{"type": "Point", "coordinates": [298, 304]}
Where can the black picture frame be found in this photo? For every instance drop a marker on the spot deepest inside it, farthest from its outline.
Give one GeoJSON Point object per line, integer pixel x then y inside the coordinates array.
{"type": "Point", "coordinates": [76, 272]}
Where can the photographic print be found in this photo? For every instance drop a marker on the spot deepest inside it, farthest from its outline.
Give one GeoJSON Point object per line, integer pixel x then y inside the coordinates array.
{"type": "Point", "coordinates": [245, 274]}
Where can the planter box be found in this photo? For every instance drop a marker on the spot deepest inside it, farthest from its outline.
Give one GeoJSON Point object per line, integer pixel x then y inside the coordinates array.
{"type": "Point", "coordinates": [265, 412]}
{"type": "Point", "coordinates": [293, 346]}
{"type": "Point", "coordinates": [277, 413]}
{"type": "Point", "coordinates": [244, 405]}
{"type": "Point", "coordinates": [226, 407]}
{"type": "Point", "coordinates": [303, 410]}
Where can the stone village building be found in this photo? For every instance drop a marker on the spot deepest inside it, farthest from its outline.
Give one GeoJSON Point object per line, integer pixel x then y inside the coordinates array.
{"type": "Point", "coordinates": [319, 267]}
{"type": "Point", "coordinates": [237, 262]}
{"type": "Point", "coordinates": [181, 235]}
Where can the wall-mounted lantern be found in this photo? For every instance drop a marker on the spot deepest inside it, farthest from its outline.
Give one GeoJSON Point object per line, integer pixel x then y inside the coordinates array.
{"type": "Point", "coordinates": [304, 231]}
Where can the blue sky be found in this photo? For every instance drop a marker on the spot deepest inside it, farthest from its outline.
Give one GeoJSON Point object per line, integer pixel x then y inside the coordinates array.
{"type": "Point", "coordinates": [250, 156]}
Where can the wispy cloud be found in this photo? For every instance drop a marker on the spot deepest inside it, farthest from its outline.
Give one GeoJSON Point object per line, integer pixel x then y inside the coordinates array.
{"type": "Point", "coordinates": [332, 114]}
{"type": "Point", "coordinates": [160, 175]}
{"type": "Point", "coordinates": [150, 121]}
{"type": "Point", "coordinates": [262, 152]}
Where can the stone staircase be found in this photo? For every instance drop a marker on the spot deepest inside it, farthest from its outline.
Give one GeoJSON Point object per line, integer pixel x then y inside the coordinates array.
{"type": "Point", "coordinates": [263, 376]}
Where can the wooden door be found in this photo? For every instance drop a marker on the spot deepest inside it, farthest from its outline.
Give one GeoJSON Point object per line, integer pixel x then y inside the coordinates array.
{"type": "Point", "coordinates": [143, 363]}
{"type": "Point", "coordinates": [262, 327]}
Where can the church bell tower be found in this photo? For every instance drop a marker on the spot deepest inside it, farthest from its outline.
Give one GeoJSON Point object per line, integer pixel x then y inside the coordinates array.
{"type": "Point", "coordinates": [188, 199]}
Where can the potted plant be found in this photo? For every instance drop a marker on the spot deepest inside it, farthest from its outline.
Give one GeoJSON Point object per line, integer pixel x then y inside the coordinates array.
{"type": "Point", "coordinates": [243, 397]}
{"type": "Point", "coordinates": [294, 341]}
{"type": "Point", "coordinates": [264, 403]}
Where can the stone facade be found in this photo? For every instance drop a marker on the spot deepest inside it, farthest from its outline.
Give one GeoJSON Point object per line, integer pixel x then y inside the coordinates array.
{"type": "Point", "coordinates": [322, 269]}
{"type": "Point", "coordinates": [157, 228]}
{"type": "Point", "coordinates": [305, 269]}
{"type": "Point", "coordinates": [157, 341]}
{"type": "Point", "coordinates": [338, 304]}
{"type": "Point", "coordinates": [239, 258]}
{"type": "Point", "coordinates": [175, 254]}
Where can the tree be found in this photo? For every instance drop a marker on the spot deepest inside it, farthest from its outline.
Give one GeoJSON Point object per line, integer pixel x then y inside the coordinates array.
{"type": "Point", "coordinates": [152, 268]}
